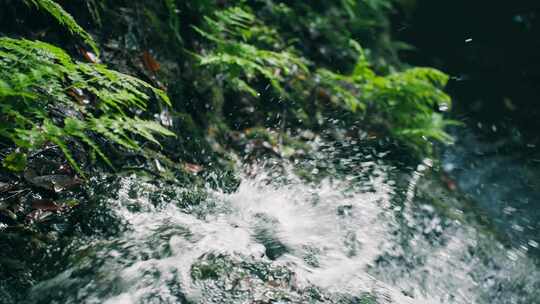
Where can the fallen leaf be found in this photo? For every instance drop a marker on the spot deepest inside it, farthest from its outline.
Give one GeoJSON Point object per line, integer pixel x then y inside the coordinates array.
{"type": "Point", "coordinates": [5, 187]}
{"type": "Point", "coordinates": [150, 63]}
{"type": "Point", "coordinates": [38, 215]}
{"type": "Point", "coordinates": [323, 94]}
{"type": "Point", "coordinates": [91, 57]}
{"type": "Point", "coordinates": [78, 95]}
{"type": "Point", "coordinates": [449, 182]}
{"type": "Point", "coordinates": [8, 213]}
{"type": "Point", "coordinates": [193, 168]}
{"type": "Point", "coordinates": [159, 167]}
{"type": "Point", "coordinates": [55, 182]}
{"type": "Point", "coordinates": [45, 205]}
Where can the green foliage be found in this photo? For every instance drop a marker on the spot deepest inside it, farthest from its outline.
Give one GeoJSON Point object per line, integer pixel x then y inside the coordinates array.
{"type": "Point", "coordinates": [409, 100]}
{"type": "Point", "coordinates": [173, 20]}
{"type": "Point", "coordinates": [15, 161]}
{"type": "Point", "coordinates": [244, 48]}
{"type": "Point", "coordinates": [321, 30]}
{"type": "Point", "coordinates": [342, 90]}
{"type": "Point", "coordinates": [406, 102]}
{"type": "Point", "coordinates": [47, 97]}
{"type": "Point", "coordinates": [94, 8]}
{"type": "Point", "coordinates": [367, 298]}
{"type": "Point", "coordinates": [159, 23]}
{"type": "Point", "coordinates": [244, 45]}
{"type": "Point", "coordinates": [65, 19]}
{"type": "Point", "coordinates": [243, 51]}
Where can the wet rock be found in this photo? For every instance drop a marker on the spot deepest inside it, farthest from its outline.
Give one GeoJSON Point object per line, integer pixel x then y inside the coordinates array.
{"type": "Point", "coordinates": [54, 183]}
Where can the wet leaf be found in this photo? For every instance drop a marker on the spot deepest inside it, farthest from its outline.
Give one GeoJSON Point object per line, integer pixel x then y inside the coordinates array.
{"type": "Point", "coordinates": [5, 187]}
{"type": "Point", "coordinates": [159, 167]}
{"type": "Point", "coordinates": [38, 215]}
{"type": "Point", "coordinates": [78, 95]}
{"type": "Point", "coordinates": [150, 63]}
{"type": "Point", "coordinates": [449, 182]}
{"type": "Point", "coordinates": [71, 203]}
{"type": "Point", "coordinates": [8, 213]}
{"type": "Point", "coordinates": [15, 161]}
{"type": "Point", "coordinates": [45, 205]}
{"type": "Point", "coordinates": [193, 168]}
{"type": "Point", "coordinates": [55, 182]}
{"type": "Point", "coordinates": [89, 56]}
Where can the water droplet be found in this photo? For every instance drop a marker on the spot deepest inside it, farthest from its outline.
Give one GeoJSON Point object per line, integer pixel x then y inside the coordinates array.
{"type": "Point", "coordinates": [443, 107]}
{"type": "Point", "coordinates": [517, 227]}
{"type": "Point", "coordinates": [448, 167]}
{"type": "Point", "coordinates": [512, 255]}
{"type": "Point", "coordinates": [509, 210]}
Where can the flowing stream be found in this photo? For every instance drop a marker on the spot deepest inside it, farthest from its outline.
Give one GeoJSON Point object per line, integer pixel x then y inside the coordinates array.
{"type": "Point", "coordinates": [356, 227]}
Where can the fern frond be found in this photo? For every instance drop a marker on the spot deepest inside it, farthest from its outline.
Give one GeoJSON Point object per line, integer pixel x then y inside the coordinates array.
{"type": "Point", "coordinates": [406, 101]}
{"type": "Point", "coordinates": [36, 80]}
{"type": "Point", "coordinates": [342, 90]}
{"type": "Point", "coordinates": [65, 19]}
{"type": "Point", "coordinates": [238, 56]}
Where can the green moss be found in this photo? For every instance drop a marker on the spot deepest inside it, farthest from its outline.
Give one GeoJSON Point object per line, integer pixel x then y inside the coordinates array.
{"type": "Point", "coordinates": [211, 268]}
{"type": "Point", "coordinates": [15, 161]}
{"type": "Point", "coordinates": [367, 299]}
{"type": "Point", "coordinates": [263, 134]}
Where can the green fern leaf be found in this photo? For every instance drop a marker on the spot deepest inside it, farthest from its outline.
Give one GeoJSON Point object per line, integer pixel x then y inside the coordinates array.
{"type": "Point", "coordinates": [37, 84]}
{"type": "Point", "coordinates": [65, 19]}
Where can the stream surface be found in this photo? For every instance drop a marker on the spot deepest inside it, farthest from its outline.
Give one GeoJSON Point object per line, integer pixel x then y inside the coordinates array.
{"type": "Point", "coordinates": [361, 228]}
{"type": "Point", "coordinates": [501, 175]}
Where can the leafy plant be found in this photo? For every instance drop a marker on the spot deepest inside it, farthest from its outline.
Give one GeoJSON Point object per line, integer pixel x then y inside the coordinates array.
{"type": "Point", "coordinates": [47, 97]}
{"type": "Point", "coordinates": [243, 51]}
{"type": "Point", "coordinates": [173, 19]}
{"type": "Point", "coordinates": [65, 19]}
{"type": "Point", "coordinates": [406, 102]}
{"type": "Point", "coordinates": [321, 30]}
{"type": "Point", "coordinates": [15, 161]}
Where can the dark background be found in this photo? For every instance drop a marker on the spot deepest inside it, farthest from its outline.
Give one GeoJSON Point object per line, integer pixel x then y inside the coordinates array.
{"type": "Point", "coordinates": [490, 48]}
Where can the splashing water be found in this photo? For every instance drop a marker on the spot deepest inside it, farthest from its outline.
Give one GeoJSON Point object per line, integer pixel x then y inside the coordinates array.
{"type": "Point", "coordinates": [281, 239]}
